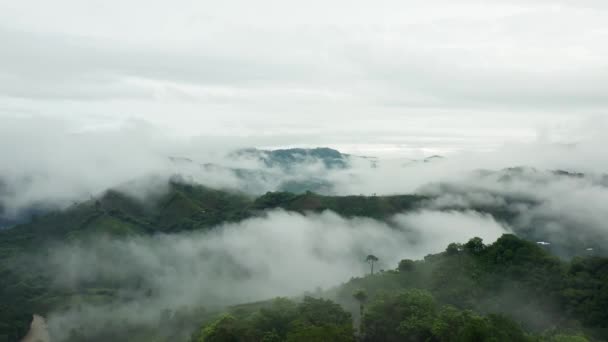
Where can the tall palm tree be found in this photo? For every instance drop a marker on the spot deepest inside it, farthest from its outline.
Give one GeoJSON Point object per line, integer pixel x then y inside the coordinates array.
{"type": "Point", "coordinates": [371, 259]}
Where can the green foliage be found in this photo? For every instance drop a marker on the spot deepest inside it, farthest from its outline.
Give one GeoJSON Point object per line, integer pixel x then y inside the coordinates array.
{"type": "Point", "coordinates": [324, 333]}
{"type": "Point", "coordinates": [511, 277]}
{"type": "Point", "coordinates": [273, 200]}
{"type": "Point", "coordinates": [586, 291]}
{"type": "Point", "coordinates": [414, 315]}
{"type": "Point", "coordinates": [474, 246]}
{"type": "Point", "coordinates": [24, 292]}
{"type": "Point", "coordinates": [454, 248]}
{"type": "Point", "coordinates": [406, 265]}
{"type": "Point", "coordinates": [225, 329]}
{"type": "Point", "coordinates": [379, 207]}
{"type": "Point", "coordinates": [318, 312]}
{"type": "Point", "coordinates": [567, 338]}
{"type": "Point", "coordinates": [275, 318]}
{"type": "Point", "coordinates": [183, 207]}
{"type": "Point", "coordinates": [360, 295]}
{"type": "Point", "coordinates": [394, 317]}
{"type": "Point", "coordinates": [283, 320]}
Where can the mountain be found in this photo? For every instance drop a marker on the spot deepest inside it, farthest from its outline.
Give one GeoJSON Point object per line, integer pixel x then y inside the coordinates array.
{"type": "Point", "coordinates": [288, 159]}
{"type": "Point", "coordinates": [295, 170]}
{"type": "Point", "coordinates": [252, 171]}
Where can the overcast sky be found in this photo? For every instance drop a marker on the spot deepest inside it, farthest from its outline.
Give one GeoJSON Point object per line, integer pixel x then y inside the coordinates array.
{"type": "Point", "coordinates": [364, 76]}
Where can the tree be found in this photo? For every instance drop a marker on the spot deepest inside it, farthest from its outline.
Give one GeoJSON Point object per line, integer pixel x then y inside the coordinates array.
{"type": "Point", "coordinates": [414, 315]}
{"type": "Point", "coordinates": [276, 317]}
{"type": "Point", "coordinates": [223, 329]}
{"type": "Point", "coordinates": [314, 319]}
{"type": "Point", "coordinates": [475, 245]}
{"type": "Point", "coordinates": [406, 315]}
{"type": "Point", "coordinates": [321, 333]}
{"type": "Point", "coordinates": [371, 259]}
{"type": "Point", "coordinates": [453, 248]}
{"type": "Point", "coordinates": [406, 265]}
{"type": "Point", "coordinates": [319, 311]}
{"type": "Point", "coordinates": [568, 338]}
{"type": "Point", "coordinates": [361, 297]}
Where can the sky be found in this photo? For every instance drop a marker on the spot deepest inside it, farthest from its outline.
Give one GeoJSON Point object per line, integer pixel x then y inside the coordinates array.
{"type": "Point", "coordinates": [382, 77]}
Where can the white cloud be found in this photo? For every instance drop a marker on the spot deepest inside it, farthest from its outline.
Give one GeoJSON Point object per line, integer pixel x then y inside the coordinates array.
{"type": "Point", "coordinates": [317, 73]}
{"type": "Point", "coordinates": [283, 254]}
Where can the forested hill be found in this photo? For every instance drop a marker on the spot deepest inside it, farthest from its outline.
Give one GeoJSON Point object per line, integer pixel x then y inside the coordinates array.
{"type": "Point", "coordinates": [511, 290]}
{"type": "Point", "coordinates": [186, 206]}
{"type": "Point", "coordinates": [514, 277]}
{"type": "Point", "coordinates": [191, 207]}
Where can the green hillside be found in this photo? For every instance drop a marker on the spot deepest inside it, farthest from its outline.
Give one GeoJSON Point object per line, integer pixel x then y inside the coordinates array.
{"type": "Point", "coordinates": [511, 290]}
{"type": "Point", "coordinates": [379, 207]}
{"type": "Point", "coordinates": [184, 207]}
{"type": "Point", "coordinates": [540, 295]}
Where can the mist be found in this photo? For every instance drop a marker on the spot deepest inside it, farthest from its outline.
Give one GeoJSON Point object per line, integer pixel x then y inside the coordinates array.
{"type": "Point", "coordinates": [59, 163]}
{"type": "Point", "coordinates": [116, 132]}
{"type": "Point", "coordinates": [280, 254]}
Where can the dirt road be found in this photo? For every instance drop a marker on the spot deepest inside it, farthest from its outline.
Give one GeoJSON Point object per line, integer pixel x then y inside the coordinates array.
{"type": "Point", "coordinates": [38, 331]}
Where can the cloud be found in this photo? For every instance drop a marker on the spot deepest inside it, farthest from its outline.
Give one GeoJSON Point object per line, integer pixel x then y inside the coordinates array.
{"type": "Point", "coordinates": [486, 72]}
{"type": "Point", "coordinates": [52, 163]}
{"type": "Point", "coordinates": [563, 210]}
{"type": "Point", "coordinates": [253, 260]}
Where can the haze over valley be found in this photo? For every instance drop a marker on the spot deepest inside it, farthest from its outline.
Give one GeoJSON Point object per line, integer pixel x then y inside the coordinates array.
{"type": "Point", "coordinates": [273, 171]}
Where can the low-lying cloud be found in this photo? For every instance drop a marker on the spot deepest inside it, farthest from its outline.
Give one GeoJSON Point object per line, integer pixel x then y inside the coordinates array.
{"type": "Point", "coordinates": [58, 163]}
{"type": "Point", "coordinates": [281, 254]}
{"type": "Point", "coordinates": [564, 209]}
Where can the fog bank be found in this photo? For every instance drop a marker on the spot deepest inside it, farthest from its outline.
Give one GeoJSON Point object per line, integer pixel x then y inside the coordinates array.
{"type": "Point", "coordinates": [281, 254]}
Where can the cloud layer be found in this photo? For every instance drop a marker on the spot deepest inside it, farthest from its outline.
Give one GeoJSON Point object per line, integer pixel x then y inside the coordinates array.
{"type": "Point", "coordinates": [282, 254]}
{"type": "Point", "coordinates": [51, 163]}
{"type": "Point", "coordinates": [410, 75]}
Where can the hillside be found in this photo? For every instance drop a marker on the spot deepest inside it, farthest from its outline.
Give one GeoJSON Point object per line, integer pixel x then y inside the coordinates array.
{"type": "Point", "coordinates": [190, 207]}
{"type": "Point", "coordinates": [511, 290]}
{"type": "Point", "coordinates": [473, 280]}
{"type": "Point", "coordinates": [184, 207]}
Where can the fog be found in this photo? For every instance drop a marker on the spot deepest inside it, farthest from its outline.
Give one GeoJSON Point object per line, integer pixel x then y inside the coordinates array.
{"type": "Point", "coordinates": [565, 210]}
{"type": "Point", "coordinates": [493, 110]}
{"type": "Point", "coordinates": [58, 163]}
{"type": "Point", "coordinates": [280, 254]}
